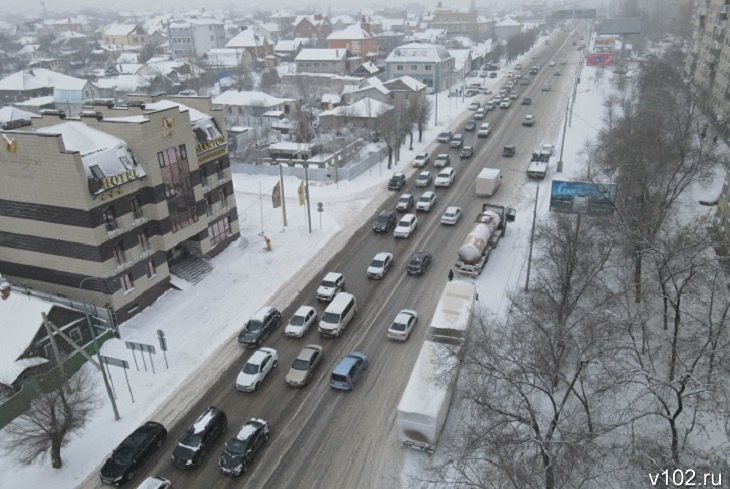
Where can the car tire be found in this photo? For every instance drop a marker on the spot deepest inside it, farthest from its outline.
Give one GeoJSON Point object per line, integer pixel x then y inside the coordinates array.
{"type": "Point", "coordinates": [130, 475]}
{"type": "Point", "coordinates": [275, 364]}
{"type": "Point", "coordinates": [244, 469]}
{"type": "Point", "coordinates": [160, 441]}
{"type": "Point", "coordinates": [256, 386]}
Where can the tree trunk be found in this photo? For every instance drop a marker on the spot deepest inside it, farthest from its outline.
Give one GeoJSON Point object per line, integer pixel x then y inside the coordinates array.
{"type": "Point", "coordinates": [675, 443]}
{"type": "Point", "coordinates": [420, 133]}
{"type": "Point", "coordinates": [390, 156]}
{"type": "Point", "coordinates": [56, 462]}
{"type": "Point", "coordinates": [549, 471]}
{"type": "Point", "coordinates": [637, 273]}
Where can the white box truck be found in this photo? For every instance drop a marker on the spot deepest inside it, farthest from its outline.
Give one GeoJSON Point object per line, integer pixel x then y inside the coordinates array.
{"type": "Point", "coordinates": [488, 182]}
{"type": "Point", "coordinates": [424, 407]}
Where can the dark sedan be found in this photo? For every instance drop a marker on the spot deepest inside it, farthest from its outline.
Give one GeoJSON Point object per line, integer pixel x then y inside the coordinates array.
{"type": "Point", "coordinates": [126, 459]}
{"type": "Point", "coordinates": [467, 152]}
{"type": "Point", "coordinates": [419, 263]}
{"type": "Point", "coordinates": [242, 448]}
{"type": "Point", "coordinates": [471, 125]}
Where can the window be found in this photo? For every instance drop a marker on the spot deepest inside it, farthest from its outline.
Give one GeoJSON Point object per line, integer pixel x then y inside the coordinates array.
{"type": "Point", "coordinates": [222, 196]}
{"type": "Point", "coordinates": [399, 67]}
{"type": "Point", "coordinates": [119, 257]}
{"type": "Point", "coordinates": [240, 111]}
{"type": "Point", "coordinates": [209, 207]}
{"type": "Point", "coordinates": [219, 231]}
{"type": "Point", "coordinates": [135, 39]}
{"type": "Point", "coordinates": [204, 175]}
{"type": "Point", "coordinates": [315, 65]}
{"type": "Point", "coordinates": [136, 205]}
{"type": "Point", "coordinates": [429, 67]}
{"type": "Point", "coordinates": [230, 109]}
{"type": "Point", "coordinates": [151, 269]}
{"type": "Point", "coordinates": [96, 171]}
{"type": "Point", "coordinates": [127, 164]}
{"type": "Point", "coordinates": [414, 67]}
{"type": "Point", "coordinates": [109, 217]}
{"type": "Point", "coordinates": [212, 38]}
{"type": "Point", "coordinates": [210, 27]}
{"type": "Point", "coordinates": [75, 335]}
{"type": "Point", "coordinates": [144, 242]}
{"type": "Point", "coordinates": [127, 283]}
{"type": "Point", "coordinates": [219, 170]}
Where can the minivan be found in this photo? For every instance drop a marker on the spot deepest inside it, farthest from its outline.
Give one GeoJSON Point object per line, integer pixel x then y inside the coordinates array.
{"type": "Point", "coordinates": [349, 371]}
{"type": "Point", "coordinates": [338, 315]}
{"type": "Point", "coordinates": [199, 438]}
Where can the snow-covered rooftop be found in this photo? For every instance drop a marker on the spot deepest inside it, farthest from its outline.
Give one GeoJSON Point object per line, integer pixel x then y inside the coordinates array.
{"type": "Point", "coordinates": [195, 115]}
{"type": "Point", "coordinates": [311, 54]}
{"type": "Point", "coordinates": [354, 31]}
{"type": "Point", "coordinates": [8, 113]}
{"type": "Point", "coordinates": [249, 99]}
{"type": "Point", "coordinates": [409, 81]}
{"type": "Point", "coordinates": [365, 108]}
{"type": "Point", "coordinates": [225, 57]}
{"type": "Point", "coordinates": [246, 39]}
{"type": "Point", "coordinates": [123, 83]}
{"type": "Point", "coordinates": [508, 22]}
{"type": "Point", "coordinates": [119, 29]}
{"type": "Point", "coordinates": [40, 78]}
{"type": "Point", "coordinates": [415, 52]}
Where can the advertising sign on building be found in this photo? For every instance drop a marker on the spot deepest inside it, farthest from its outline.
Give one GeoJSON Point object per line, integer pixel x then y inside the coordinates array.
{"type": "Point", "coordinates": [595, 199]}
{"type": "Point", "coordinates": [600, 59]}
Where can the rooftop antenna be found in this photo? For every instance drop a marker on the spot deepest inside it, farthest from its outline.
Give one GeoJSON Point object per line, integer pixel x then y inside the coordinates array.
{"type": "Point", "coordinates": [45, 14]}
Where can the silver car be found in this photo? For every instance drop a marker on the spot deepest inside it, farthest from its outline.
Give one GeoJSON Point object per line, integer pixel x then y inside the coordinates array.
{"type": "Point", "coordinates": [304, 365]}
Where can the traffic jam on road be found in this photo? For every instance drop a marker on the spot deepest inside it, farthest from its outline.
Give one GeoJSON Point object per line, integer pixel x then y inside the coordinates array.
{"type": "Point", "coordinates": [403, 218]}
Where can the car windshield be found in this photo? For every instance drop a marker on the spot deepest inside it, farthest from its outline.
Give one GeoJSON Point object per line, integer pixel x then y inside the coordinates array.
{"type": "Point", "coordinates": [250, 368]}
{"type": "Point", "coordinates": [327, 283]}
{"type": "Point", "coordinates": [416, 260]}
{"type": "Point", "coordinates": [377, 263]}
{"type": "Point", "coordinates": [330, 317]}
{"type": "Point", "coordinates": [300, 364]}
{"type": "Point", "coordinates": [254, 326]}
{"type": "Point", "coordinates": [236, 446]}
{"type": "Point", "coordinates": [191, 440]}
{"type": "Point", "coordinates": [382, 219]}
{"type": "Point", "coordinates": [297, 321]}
{"type": "Point", "coordinates": [404, 223]}
{"type": "Point", "coordinates": [444, 134]}
{"type": "Point", "coordinates": [396, 326]}
{"type": "Point", "coordinates": [123, 455]}
{"type": "Point", "coordinates": [450, 214]}
{"type": "Point", "coordinates": [404, 200]}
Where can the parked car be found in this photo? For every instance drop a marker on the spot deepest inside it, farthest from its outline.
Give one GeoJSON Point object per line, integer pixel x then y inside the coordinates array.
{"type": "Point", "coordinates": [508, 150]}
{"type": "Point", "coordinates": [466, 152]}
{"type": "Point", "coordinates": [331, 284]}
{"type": "Point", "coordinates": [546, 87]}
{"type": "Point", "coordinates": [397, 181]}
{"type": "Point", "coordinates": [155, 482]}
{"type": "Point", "coordinates": [444, 137]}
{"type": "Point", "coordinates": [527, 101]}
{"type": "Point", "coordinates": [405, 202]}
{"type": "Point", "coordinates": [302, 320]}
{"type": "Point", "coordinates": [259, 326]}
{"type": "Point", "coordinates": [484, 130]}
{"type": "Point", "coordinates": [444, 179]}
{"type": "Point", "coordinates": [504, 104]}
{"type": "Point", "coordinates": [401, 327]}
{"type": "Point", "coordinates": [125, 460]}
{"type": "Point", "coordinates": [451, 215]}
{"type": "Point", "coordinates": [349, 371]}
{"type": "Point", "coordinates": [427, 200]}
{"type": "Point", "coordinates": [470, 125]}
{"type": "Point", "coordinates": [385, 221]}
{"type": "Point", "coordinates": [481, 113]}
{"type": "Point", "coordinates": [470, 92]}
{"type": "Point", "coordinates": [529, 120]}
{"type": "Point", "coordinates": [199, 438]}
{"type": "Point", "coordinates": [474, 105]}
{"type": "Point", "coordinates": [241, 450]}
{"type": "Point", "coordinates": [304, 365]}
{"type": "Point", "coordinates": [442, 160]}
{"type": "Point", "coordinates": [457, 141]}
{"type": "Point", "coordinates": [379, 265]}
{"type": "Point", "coordinates": [255, 370]}
{"type": "Point", "coordinates": [406, 226]}
{"type": "Point", "coordinates": [421, 160]}
{"type": "Point", "coordinates": [493, 74]}
{"type": "Point", "coordinates": [419, 263]}
{"type": "Point", "coordinates": [484, 90]}
{"type": "Point", "coordinates": [424, 179]}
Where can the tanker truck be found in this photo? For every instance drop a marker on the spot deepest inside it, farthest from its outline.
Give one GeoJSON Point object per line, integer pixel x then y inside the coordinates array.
{"type": "Point", "coordinates": [489, 226]}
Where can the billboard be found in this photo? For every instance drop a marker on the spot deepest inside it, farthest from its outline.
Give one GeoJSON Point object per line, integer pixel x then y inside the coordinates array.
{"type": "Point", "coordinates": [599, 59]}
{"type": "Point", "coordinates": [594, 199]}
{"type": "Point", "coordinates": [605, 41]}
{"type": "Point", "coordinates": [578, 13]}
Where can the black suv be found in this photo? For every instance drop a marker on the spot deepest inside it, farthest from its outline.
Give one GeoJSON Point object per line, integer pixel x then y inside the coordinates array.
{"type": "Point", "coordinates": [124, 461]}
{"type": "Point", "coordinates": [242, 448]}
{"type": "Point", "coordinates": [259, 326]}
{"type": "Point", "coordinates": [385, 221]}
{"type": "Point", "coordinates": [419, 263]}
{"type": "Point", "coordinates": [199, 437]}
{"type": "Point", "coordinates": [397, 181]}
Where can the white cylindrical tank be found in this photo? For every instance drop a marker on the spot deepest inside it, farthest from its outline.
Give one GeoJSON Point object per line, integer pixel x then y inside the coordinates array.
{"type": "Point", "coordinates": [478, 238]}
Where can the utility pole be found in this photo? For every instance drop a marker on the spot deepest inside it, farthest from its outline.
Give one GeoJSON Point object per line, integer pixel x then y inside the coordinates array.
{"type": "Point", "coordinates": [306, 192]}
{"type": "Point", "coordinates": [532, 238]}
{"type": "Point", "coordinates": [283, 200]}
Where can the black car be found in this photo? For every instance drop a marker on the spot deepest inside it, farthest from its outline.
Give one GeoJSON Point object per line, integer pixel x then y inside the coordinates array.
{"type": "Point", "coordinates": [470, 125]}
{"type": "Point", "coordinates": [242, 448]}
{"type": "Point", "coordinates": [199, 438]}
{"type": "Point", "coordinates": [397, 181]}
{"type": "Point", "coordinates": [508, 150]}
{"type": "Point", "coordinates": [467, 152]}
{"type": "Point", "coordinates": [259, 326]}
{"type": "Point", "coordinates": [419, 263]}
{"type": "Point", "coordinates": [385, 221]}
{"type": "Point", "coordinates": [124, 461]}
{"type": "Point", "coordinates": [527, 101]}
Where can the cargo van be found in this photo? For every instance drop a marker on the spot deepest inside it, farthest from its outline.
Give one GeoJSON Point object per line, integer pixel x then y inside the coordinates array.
{"type": "Point", "coordinates": [338, 315]}
{"type": "Point", "coordinates": [488, 182]}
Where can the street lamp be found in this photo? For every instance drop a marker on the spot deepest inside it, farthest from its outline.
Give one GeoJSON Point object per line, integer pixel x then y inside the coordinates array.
{"type": "Point", "coordinates": [96, 348]}
{"type": "Point", "coordinates": [566, 124]}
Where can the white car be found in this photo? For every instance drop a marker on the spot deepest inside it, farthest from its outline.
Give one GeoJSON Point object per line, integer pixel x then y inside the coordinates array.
{"type": "Point", "coordinates": [421, 160]}
{"type": "Point", "coordinates": [256, 369]}
{"type": "Point", "coordinates": [504, 104]}
{"type": "Point", "coordinates": [403, 324]}
{"type": "Point", "coordinates": [484, 130]}
{"type": "Point", "coordinates": [406, 226]}
{"type": "Point", "coordinates": [552, 63]}
{"type": "Point", "coordinates": [427, 200]}
{"type": "Point", "coordinates": [474, 105]}
{"type": "Point", "coordinates": [424, 179]}
{"type": "Point", "coordinates": [300, 322]}
{"type": "Point", "coordinates": [481, 113]}
{"type": "Point", "coordinates": [155, 483]}
{"type": "Point", "coordinates": [444, 179]}
{"type": "Point", "coordinates": [331, 284]}
{"type": "Point", "coordinates": [451, 216]}
{"type": "Point", "coordinates": [381, 263]}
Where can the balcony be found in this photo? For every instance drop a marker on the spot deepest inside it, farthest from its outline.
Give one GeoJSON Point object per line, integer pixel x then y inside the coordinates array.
{"type": "Point", "coordinates": [146, 250]}
{"type": "Point", "coordinates": [113, 228]}
{"type": "Point", "coordinates": [206, 182]}
{"type": "Point", "coordinates": [138, 217]}
{"type": "Point", "coordinates": [221, 177]}
{"type": "Point", "coordinates": [122, 262]}
{"type": "Point", "coordinates": [724, 10]}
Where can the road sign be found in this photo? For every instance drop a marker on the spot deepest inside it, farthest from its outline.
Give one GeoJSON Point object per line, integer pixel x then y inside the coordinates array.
{"type": "Point", "coordinates": [116, 362]}
{"type": "Point", "coordinates": [320, 207]}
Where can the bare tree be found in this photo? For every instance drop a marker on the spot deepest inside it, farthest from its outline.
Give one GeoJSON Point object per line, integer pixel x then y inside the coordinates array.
{"type": "Point", "coordinates": [269, 79]}
{"type": "Point", "coordinates": [51, 421]}
{"type": "Point", "coordinates": [421, 113]}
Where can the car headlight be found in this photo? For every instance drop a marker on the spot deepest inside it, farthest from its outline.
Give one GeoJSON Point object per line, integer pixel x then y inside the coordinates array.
{"type": "Point", "coordinates": [189, 462]}
{"type": "Point", "coordinates": [119, 478]}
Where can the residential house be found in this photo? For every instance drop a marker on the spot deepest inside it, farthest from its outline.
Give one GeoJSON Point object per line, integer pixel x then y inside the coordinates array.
{"type": "Point", "coordinates": [194, 37]}
{"type": "Point", "coordinates": [124, 35]}
{"type": "Point", "coordinates": [430, 64]}
{"type": "Point", "coordinates": [341, 22]}
{"type": "Point", "coordinates": [80, 24]}
{"type": "Point", "coordinates": [288, 49]}
{"type": "Point", "coordinates": [398, 92]}
{"type": "Point", "coordinates": [364, 113]}
{"type": "Point", "coordinates": [357, 39]}
{"type": "Point", "coordinates": [254, 109]}
{"type": "Point", "coordinates": [53, 64]}
{"type": "Point", "coordinates": [388, 41]}
{"type": "Point", "coordinates": [366, 70]}
{"type": "Point", "coordinates": [257, 46]}
{"type": "Point", "coordinates": [9, 113]}
{"type": "Point", "coordinates": [454, 21]}
{"type": "Point", "coordinates": [269, 30]}
{"type": "Point", "coordinates": [314, 27]}
{"type": "Point", "coordinates": [68, 92]}
{"type": "Point", "coordinates": [334, 61]}
{"type": "Point", "coordinates": [506, 28]}
{"type": "Point", "coordinates": [462, 62]}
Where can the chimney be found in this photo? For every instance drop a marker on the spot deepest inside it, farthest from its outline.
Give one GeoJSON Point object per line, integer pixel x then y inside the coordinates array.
{"type": "Point", "coordinates": [4, 291]}
{"type": "Point", "coordinates": [365, 25]}
{"type": "Point", "coordinates": [439, 5]}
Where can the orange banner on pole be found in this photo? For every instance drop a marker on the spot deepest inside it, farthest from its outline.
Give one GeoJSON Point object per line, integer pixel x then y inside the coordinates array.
{"type": "Point", "coordinates": [300, 192]}
{"type": "Point", "coordinates": [276, 196]}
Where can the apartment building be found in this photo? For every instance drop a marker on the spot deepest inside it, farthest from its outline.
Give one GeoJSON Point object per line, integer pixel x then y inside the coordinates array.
{"type": "Point", "coordinates": [454, 21]}
{"type": "Point", "coordinates": [112, 200]}
{"type": "Point", "coordinates": [430, 64]}
{"type": "Point", "coordinates": [193, 37]}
